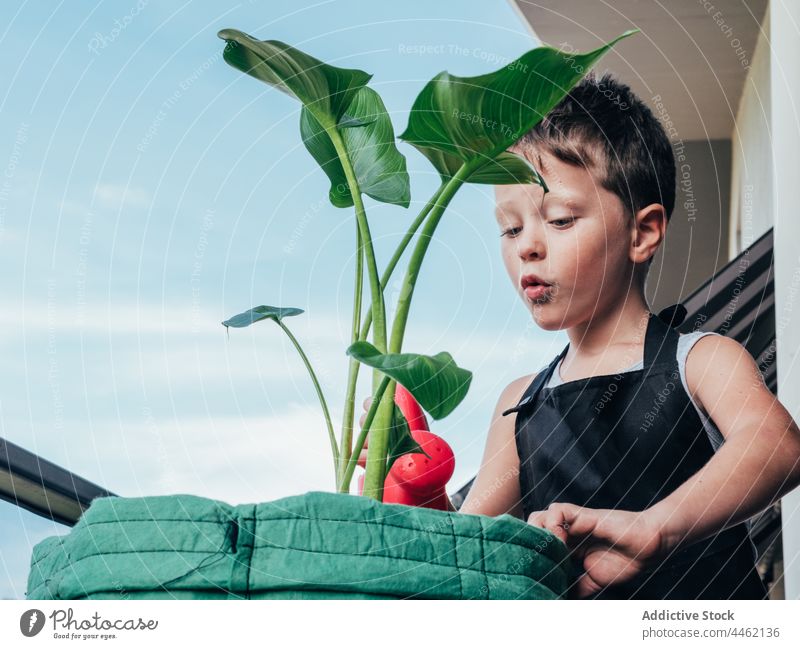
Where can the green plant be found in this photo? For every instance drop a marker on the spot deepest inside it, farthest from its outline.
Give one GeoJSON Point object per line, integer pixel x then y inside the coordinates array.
{"type": "Point", "coordinates": [464, 126]}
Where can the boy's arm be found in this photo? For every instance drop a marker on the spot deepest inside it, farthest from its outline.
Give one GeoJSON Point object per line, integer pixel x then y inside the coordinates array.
{"type": "Point", "coordinates": [757, 464]}
{"type": "Point", "coordinates": [496, 487]}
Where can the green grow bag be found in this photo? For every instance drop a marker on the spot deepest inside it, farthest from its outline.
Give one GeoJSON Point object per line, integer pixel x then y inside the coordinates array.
{"type": "Point", "coordinates": [316, 545]}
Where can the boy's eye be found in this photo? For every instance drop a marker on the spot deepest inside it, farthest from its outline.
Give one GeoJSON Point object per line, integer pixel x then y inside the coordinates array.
{"type": "Point", "coordinates": [561, 224]}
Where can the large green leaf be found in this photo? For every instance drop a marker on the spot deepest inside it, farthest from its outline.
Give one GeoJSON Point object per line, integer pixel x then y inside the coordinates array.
{"type": "Point", "coordinates": [436, 382]}
{"type": "Point", "coordinates": [504, 169]}
{"type": "Point", "coordinates": [457, 120]}
{"type": "Point", "coordinates": [333, 99]}
{"type": "Point", "coordinates": [325, 89]}
{"type": "Point", "coordinates": [262, 312]}
{"type": "Point", "coordinates": [369, 139]}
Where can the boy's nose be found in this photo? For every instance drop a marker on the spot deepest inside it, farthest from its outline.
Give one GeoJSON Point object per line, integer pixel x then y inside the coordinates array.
{"type": "Point", "coordinates": [531, 243]}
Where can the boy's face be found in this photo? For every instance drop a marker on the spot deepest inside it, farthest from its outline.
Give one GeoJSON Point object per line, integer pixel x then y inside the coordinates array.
{"type": "Point", "coordinates": [576, 237]}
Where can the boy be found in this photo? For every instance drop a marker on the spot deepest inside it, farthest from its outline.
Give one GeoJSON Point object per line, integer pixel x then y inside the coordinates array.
{"type": "Point", "coordinates": [617, 461]}
{"type": "Point", "coordinates": [643, 450]}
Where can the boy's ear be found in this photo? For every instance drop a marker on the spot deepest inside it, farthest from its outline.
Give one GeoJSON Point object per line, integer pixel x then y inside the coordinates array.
{"type": "Point", "coordinates": [648, 230]}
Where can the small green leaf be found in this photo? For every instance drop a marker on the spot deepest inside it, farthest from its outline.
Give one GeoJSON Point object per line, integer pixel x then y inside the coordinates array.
{"type": "Point", "coordinates": [436, 382]}
{"type": "Point", "coordinates": [263, 312]}
{"type": "Point", "coordinates": [457, 120]}
{"type": "Point", "coordinates": [400, 439]}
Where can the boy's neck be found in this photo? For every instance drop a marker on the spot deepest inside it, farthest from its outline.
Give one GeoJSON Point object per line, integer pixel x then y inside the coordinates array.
{"type": "Point", "coordinates": [623, 323]}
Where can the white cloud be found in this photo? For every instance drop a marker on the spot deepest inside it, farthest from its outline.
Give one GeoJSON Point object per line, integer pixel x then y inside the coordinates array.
{"type": "Point", "coordinates": [115, 196]}
{"type": "Point", "coordinates": [185, 340]}
{"type": "Point", "coordinates": [234, 459]}
{"type": "Point", "coordinates": [9, 236]}
{"type": "Point", "coordinates": [118, 319]}
{"type": "Point", "coordinates": [247, 458]}
{"type": "Point", "coordinates": [73, 208]}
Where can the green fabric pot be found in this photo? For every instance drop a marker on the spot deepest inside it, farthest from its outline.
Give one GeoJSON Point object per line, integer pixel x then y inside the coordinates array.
{"type": "Point", "coordinates": [316, 545]}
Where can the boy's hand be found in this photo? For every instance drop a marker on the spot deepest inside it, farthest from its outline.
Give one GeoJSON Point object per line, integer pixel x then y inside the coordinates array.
{"type": "Point", "coordinates": [362, 457]}
{"type": "Point", "coordinates": [612, 545]}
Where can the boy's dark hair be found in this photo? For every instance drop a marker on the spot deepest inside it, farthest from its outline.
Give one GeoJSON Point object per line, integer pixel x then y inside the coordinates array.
{"type": "Point", "coordinates": [603, 126]}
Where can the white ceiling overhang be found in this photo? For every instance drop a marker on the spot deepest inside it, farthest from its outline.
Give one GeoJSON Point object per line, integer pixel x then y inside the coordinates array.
{"type": "Point", "coordinates": [693, 54]}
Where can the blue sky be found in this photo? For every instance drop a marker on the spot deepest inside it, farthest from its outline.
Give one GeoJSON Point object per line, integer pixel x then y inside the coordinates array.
{"type": "Point", "coordinates": [149, 191]}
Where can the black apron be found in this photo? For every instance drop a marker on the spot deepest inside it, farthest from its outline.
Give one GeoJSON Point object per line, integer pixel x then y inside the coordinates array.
{"type": "Point", "coordinates": [626, 441]}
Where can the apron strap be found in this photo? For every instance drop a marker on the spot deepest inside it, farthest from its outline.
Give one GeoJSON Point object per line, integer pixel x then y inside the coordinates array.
{"type": "Point", "coordinates": [673, 315]}
{"type": "Point", "coordinates": [536, 385]}
{"type": "Point", "coordinates": [661, 339]}
{"type": "Point", "coordinates": [660, 346]}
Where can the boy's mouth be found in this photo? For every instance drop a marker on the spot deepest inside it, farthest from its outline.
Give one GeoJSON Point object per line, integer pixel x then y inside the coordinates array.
{"type": "Point", "coordinates": [535, 287]}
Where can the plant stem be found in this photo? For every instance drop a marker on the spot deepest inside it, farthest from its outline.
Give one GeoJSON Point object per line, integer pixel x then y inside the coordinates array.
{"type": "Point", "coordinates": [345, 450]}
{"type": "Point", "coordinates": [399, 253]}
{"type": "Point", "coordinates": [378, 307]}
{"type": "Point", "coordinates": [385, 408]}
{"type": "Point", "coordinates": [379, 441]}
{"type": "Point", "coordinates": [317, 387]}
{"type": "Point", "coordinates": [373, 408]}
{"type": "Point", "coordinates": [415, 263]}
{"type": "Point", "coordinates": [379, 444]}
{"type": "Point", "coordinates": [345, 444]}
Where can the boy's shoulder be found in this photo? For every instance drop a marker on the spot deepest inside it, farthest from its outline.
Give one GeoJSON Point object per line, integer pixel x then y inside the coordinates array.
{"type": "Point", "coordinates": [512, 393]}
{"type": "Point", "coordinates": [718, 367]}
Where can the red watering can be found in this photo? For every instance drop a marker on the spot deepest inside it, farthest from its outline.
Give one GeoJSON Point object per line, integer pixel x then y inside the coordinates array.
{"type": "Point", "coordinates": [414, 479]}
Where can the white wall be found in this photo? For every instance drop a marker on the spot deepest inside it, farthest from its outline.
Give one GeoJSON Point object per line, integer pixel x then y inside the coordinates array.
{"type": "Point", "coordinates": [751, 153]}
{"type": "Point", "coordinates": [785, 92]}
{"type": "Point", "coordinates": [765, 192]}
